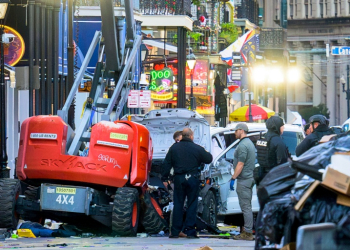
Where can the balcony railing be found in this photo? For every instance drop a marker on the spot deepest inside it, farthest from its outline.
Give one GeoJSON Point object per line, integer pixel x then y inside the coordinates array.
{"type": "Point", "coordinates": [117, 3]}
{"type": "Point", "coordinates": [165, 7]}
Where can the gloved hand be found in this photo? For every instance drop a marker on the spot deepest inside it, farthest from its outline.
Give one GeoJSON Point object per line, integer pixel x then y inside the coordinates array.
{"type": "Point", "coordinates": [232, 185]}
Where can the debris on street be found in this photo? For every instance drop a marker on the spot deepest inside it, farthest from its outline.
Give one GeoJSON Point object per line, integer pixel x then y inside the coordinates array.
{"type": "Point", "coordinates": [306, 198]}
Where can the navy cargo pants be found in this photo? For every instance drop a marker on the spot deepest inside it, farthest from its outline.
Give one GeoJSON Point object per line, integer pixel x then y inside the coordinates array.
{"type": "Point", "coordinates": [185, 188]}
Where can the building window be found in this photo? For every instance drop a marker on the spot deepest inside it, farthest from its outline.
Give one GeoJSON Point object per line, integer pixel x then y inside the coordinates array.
{"type": "Point", "coordinates": [296, 9]}
{"type": "Point", "coordinates": [325, 5]}
{"type": "Point", "coordinates": [291, 9]}
{"type": "Point", "coordinates": [310, 8]}
{"type": "Point", "coordinates": [306, 9]}
{"type": "Point", "coordinates": [321, 8]}
{"type": "Point", "coordinates": [335, 8]}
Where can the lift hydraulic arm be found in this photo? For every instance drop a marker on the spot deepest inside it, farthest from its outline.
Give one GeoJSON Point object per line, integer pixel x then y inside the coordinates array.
{"type": "Point", "coordinates": [116, 63]}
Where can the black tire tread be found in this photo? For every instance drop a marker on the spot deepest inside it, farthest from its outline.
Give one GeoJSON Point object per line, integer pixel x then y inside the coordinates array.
{"type": "Point", "coordinates": [31, 194]}
{"type": "Point", "coordinates": [4, 174]}
{"type": "Point", "coordinates": [9, 188]}
{"type": "Point", "coordinates": [206, 212]}
{"type": "Point", "coordinates": [122, 211]}
{"type": "Point", "coordinates": [152, 221]}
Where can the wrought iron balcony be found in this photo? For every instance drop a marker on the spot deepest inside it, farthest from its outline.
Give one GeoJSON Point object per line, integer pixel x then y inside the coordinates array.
{"type": "Point", "coordinates": [165, 7]}
{"type": "Point", "coordinates": [117, 3]}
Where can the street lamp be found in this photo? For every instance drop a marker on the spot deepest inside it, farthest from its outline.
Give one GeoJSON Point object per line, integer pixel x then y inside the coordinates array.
{"type": "Point", "coordinates": [4, 170]}
{"type": "Point", "coordinates": [144, 52]}
{"type": "Point", "coordinates": [276, 75]}
{"type": "Point", "coordinates": [293, 75]}
{"type": "Point", "coordinates": [191, 63]}
{"type": "Point", "coordinates": [259, 74]}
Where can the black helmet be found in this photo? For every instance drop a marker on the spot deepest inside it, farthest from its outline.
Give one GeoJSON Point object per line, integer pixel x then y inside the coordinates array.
{"type": "Point", "coordinates": [319, 118]}
{"type": "Point", "coordinates": [274, 123]}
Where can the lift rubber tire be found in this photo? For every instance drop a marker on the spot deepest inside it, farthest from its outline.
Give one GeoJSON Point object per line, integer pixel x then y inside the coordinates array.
{"type": "Point", "coordinates": [126, 210]}
{"type": "Point", "coordinates": [209, 213]}
{"type": "Point", "coordinates": [5, 174]}
{"type": "Point", "coordinates": [153, 220]}
{"type": "Point", "coordinates": [10, 189]}
{"type": "Point", "coordinates": [31, 193]}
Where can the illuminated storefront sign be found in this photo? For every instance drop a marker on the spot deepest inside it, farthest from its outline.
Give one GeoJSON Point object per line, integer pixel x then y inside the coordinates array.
{"type": "Point", "coordinates": [161, 84]}
{"type": "Point", "coordinates": [14, 50]}
{"type": "Point", "coordinates": [200, 78]}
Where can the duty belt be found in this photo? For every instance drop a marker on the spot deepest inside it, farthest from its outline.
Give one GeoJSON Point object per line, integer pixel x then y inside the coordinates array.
{"type": "Point", "coordinates": [188, 175]}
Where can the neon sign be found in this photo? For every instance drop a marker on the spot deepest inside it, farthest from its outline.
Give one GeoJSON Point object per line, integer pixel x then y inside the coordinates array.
{"type": "Point", "coordinates": [161, 84]}
{"type": "Point", "coordinates": [13, 51]}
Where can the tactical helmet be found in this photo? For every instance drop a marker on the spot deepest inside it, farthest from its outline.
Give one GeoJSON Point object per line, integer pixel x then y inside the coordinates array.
{"type": "Point", "coordinates": [274, 123]}
{"type": "Point", "coordinates": [319, 118]}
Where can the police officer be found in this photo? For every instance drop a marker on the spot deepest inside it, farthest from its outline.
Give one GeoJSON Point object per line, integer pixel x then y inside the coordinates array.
{"type": "Point", "coordinates": [186, 158]}
{"type": "Point", "coordinates": [319, 127]}
{"type": "Point", "coordinates": [271, 150]}
{"type": "Point", "coordinates": [244, 163]}
{"type": "Point", "coordinates": [177, 136]}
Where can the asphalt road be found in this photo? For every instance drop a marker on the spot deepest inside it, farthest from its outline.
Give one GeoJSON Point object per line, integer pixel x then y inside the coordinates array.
{"type": "Point", "coordinates": [148, 243]}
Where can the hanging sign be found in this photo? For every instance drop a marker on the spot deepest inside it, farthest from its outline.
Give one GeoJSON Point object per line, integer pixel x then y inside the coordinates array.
{"type": "Point", "coordinates": [200, 78]}
{"type": "Point", "coordinates": [145, 98]}
{"type": "Point", "coordinates": [161, 84]}
{"type": "Point", "coordinates": [133, 99]}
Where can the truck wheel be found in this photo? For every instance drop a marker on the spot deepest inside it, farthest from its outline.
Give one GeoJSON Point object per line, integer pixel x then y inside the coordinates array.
{"type": "Point", "coordinates": [31, 193]}
{"type": "Point", "coordinates": [153, 220]}
{"type": "Point", "coordinates": [126, 210]}
{"type": "Point", "coordinates": [209, 213]}
{"type": "Point", "coordinates": [9, 192]}
{"type": "Point", "coordinates": [4, 174]}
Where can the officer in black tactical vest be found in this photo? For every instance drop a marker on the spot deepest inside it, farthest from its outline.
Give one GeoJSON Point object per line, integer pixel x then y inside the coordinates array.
{"type": "Point", "coordinates": [271, 150]}
{"type": "Point", "coordinates": [320, 127]}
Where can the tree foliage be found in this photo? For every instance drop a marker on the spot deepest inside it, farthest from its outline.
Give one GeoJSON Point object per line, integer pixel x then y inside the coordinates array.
{"type": "Point", "coordinates": [198, 2]}
{"type": "Point", "coordinates": [229, 31]}
{"type": "Point", "coordinates": [321, 109]}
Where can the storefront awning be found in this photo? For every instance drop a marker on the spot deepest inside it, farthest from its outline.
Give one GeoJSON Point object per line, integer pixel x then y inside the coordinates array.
{"type": "Point", "coordinates": [160, 45]}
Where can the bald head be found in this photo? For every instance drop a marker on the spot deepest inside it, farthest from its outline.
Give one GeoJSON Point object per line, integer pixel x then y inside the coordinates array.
{"type": "Point", "coordinates": [187, 133]}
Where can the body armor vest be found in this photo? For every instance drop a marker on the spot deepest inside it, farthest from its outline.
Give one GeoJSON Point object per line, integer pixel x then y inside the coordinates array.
{"type": "Point", "coordinates": [262, 147]}
{"type": "Point", "coordinates": [262, 152]}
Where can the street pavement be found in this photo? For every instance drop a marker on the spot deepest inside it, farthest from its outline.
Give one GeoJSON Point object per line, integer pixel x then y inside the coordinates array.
{"type": "Point", "coordinates": [147, 243]}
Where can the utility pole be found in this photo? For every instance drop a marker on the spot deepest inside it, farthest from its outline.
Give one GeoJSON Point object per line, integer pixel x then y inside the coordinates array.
{"type": "Point", "coordinates": [250, 90]}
